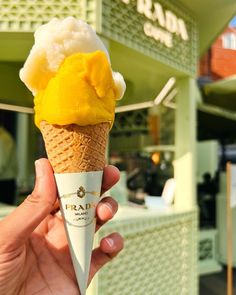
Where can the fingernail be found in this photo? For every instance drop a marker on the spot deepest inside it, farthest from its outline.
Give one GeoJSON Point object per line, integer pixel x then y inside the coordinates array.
{"type": "Point", "coordinates": [38, 168]}
{"type": "Point", "coordinates": [109, 209]}
{"type": "Point", "coordinates": [110, 242]}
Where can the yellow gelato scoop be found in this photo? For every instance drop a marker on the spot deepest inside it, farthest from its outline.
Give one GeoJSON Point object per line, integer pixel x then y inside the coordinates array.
{"type": "Point", "coordinates": [82, 92]}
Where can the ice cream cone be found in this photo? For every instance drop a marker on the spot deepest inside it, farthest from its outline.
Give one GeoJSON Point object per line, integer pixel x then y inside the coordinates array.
{"type": "Point", "coordinates": [74, 148]}
{"type": "Point", "coordinates": [69, 72]}
{"type": "Point", "coordinates": [77, 155]}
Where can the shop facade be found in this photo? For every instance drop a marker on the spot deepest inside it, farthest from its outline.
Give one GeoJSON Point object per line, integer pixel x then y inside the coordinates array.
{"type": "Point", "coordinates": [154, 45]}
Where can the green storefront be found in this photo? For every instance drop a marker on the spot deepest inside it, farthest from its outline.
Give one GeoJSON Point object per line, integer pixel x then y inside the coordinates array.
{"type": "Point", "coordinates": [155, 45]}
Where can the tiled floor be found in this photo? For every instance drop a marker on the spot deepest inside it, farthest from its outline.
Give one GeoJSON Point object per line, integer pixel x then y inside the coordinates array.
{"type": "Point", "coordinates": [216, 284]}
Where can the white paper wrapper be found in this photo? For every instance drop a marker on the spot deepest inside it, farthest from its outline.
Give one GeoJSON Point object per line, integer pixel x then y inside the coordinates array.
{"type": "Point", "coordinates": [79, 195]}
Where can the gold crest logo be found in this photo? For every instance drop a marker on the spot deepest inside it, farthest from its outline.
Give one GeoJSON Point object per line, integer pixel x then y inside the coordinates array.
{"type": "Point", "coordinates": [81, 192]}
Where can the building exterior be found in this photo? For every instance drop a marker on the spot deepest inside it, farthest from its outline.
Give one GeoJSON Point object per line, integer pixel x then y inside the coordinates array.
{"type": "Point", "coordinates": [220, 60]}
{"type": "Point", "coordinates": [218, 68]}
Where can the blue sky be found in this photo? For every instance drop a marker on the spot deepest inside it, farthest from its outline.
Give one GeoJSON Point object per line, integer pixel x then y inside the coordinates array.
{"type": "Point", "coordinates": [233, 22]}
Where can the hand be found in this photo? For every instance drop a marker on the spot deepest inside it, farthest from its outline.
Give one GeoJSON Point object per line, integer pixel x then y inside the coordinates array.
{"type": "Point", "coordinates": [34, 254]}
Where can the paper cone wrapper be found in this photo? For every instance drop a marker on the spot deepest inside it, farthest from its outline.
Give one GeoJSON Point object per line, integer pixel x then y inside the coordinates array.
{"type": "Point", "coordinates": [79, 195]}
{"type": "Point", "coordinates": [77, 155]}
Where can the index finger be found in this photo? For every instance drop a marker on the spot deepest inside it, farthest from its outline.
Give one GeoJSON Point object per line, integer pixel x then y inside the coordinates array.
{"type": "Point", "coordinates": [111, 176]}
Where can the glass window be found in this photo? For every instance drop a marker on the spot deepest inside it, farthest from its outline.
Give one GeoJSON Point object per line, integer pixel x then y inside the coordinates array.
{"type": "Point", "coordinates": [229, 41]}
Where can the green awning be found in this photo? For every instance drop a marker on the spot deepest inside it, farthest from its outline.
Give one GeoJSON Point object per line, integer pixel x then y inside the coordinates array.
{"type": "Point", "coordinates": [221, 93]}
{"type": "Point", "coordinates": [217, 111]}
{"type": "Point", "coordinates": [222, 87]}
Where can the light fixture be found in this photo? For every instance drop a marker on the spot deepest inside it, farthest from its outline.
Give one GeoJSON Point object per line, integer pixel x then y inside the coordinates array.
{"type": "Point", "coordinates": [155, 158]}
{"type": "Point", "coordinates": [165, 90]}
{"type": "Point", "coordinates": [168, 102]}
{"type": "Point", "coordinates": [149, 104]}
{"type": "Point", "coordinates": [15, 108]}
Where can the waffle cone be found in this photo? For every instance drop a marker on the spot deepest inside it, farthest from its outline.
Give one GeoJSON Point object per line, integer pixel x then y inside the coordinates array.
{"type": "Point", "coordinates": [72, 148]}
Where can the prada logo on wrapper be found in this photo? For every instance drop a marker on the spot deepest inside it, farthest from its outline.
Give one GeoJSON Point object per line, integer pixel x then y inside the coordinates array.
{"type": "Point", "coordinates": [81, 192]}
{"type": "Point", "coordinates": [80, 207]}
{"type": "Point", "coordinates": [79, 204]}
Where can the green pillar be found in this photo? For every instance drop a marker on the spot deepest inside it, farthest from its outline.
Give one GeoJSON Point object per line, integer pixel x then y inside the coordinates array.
{"type": "Point", "coordinates": [185, 141]}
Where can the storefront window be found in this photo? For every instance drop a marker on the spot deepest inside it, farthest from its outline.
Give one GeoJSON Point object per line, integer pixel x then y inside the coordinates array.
{"type": "Point", "coordinates": [141, 146]}
{"type": "Point", "coordinates": [21, 144]}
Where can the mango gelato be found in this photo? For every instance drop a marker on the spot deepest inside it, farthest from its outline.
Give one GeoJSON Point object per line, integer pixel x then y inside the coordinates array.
{"type": "Point", "coordinates": [82, 92]}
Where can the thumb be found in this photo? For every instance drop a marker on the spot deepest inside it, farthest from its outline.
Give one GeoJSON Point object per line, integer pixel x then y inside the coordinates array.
{"type": "Point", "coordinates": [18, 226]}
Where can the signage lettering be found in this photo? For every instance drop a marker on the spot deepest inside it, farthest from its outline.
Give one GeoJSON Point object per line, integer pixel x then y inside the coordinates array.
{"type": "Point", "coordinates": [145, 7]}
{"type": "Point", "coordinates": [158, 34]}
{"type": "Point", "coordinates": [166, 23]}
{"type": "Point", "coordinates": [159, 14]}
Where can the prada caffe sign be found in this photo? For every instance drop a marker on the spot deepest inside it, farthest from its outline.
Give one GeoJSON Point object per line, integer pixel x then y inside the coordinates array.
{"type": "Point", "coordinates": [161, 23]}
{"type": "Point", "coordinates": [163, 29]}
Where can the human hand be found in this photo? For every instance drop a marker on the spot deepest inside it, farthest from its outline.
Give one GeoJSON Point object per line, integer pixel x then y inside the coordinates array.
{"type": "Point", "coordinates": [34, 253]}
